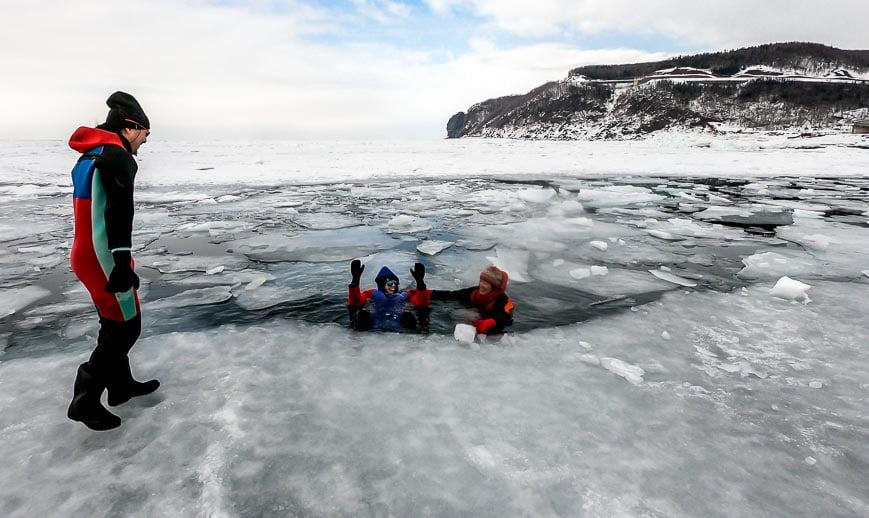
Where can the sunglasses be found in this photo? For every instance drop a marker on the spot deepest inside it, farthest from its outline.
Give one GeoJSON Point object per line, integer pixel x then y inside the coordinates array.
{"type": "Point", "coordinates": [391, 282]}
{"type": "Point", "coordinates": [138, 126]}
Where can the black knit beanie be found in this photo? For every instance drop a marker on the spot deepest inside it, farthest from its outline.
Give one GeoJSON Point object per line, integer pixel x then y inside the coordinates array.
{"type": "Point", "coordinates": [124, 112]}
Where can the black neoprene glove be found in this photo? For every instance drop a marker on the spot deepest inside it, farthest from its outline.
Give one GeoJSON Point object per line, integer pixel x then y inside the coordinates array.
{"type": "Point", "coordinates": [356, 269]}
{"type": "Point", "coordinates": [122, 278]}
{"type": "Point", "coordinates": [418, 273]}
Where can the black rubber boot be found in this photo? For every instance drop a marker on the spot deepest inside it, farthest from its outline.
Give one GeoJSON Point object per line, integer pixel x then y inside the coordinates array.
{"type": "Point", "coordinates": [123, 386]}
{"type": "Point", "coordinates": [86, 407]}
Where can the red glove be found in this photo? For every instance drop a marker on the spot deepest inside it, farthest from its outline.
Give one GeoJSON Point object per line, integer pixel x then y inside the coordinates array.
{"type": "Point", "coordinates": [484, 326]}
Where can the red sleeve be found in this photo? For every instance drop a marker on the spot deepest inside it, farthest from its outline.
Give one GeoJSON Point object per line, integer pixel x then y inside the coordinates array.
{"type": "Point", "coordinates": [357, 298]}
{"type": "Point", "coordinates": [484, 326]}
{"type": "Point", "coordinates": [419, 298]}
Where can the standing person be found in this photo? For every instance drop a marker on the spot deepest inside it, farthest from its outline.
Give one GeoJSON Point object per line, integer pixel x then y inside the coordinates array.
{"type": "Point", "coordinates": [386, 308]}
{"type": "Point", "coordinates": [101, 257]}
{"type": "Point", "coordinates": [489, 298]}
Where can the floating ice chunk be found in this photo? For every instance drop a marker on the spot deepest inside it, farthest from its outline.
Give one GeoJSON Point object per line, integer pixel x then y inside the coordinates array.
{"type": "Point", "coordinates": [811, 460]}
{"type": "Point", "coordinates": [662, 234]}
{"type": "Point", "coordinates": [315, 246]}
{"type": "Point", "coordinates": [599, 270]}
{"type": "Point", "coordinates": [580, 222]}
{"type": "Point", "coordinates": [790, 289]}
{"type": "Point", "coordinates": [16, 299]}
{"type": "Point", "coordinates": [748, 216]}
{"type": "Point", "coordinates": [718, 199]}
{"type": "Point", "coordinates": [616, 196]}
{"type": "Point", "coordinates": [600, 245]}
{"type": "Point", "coordinates": [865, 272]}
{"type": "Point", "coordinates": [632, 373]}
{"type": "Point", "coordinates": [584, 345]}
{"type": "Point", "coordinates": [589, 359]}
{"type": "Point", "coordinates": [256, 283]}
{"type": "Point", "coordinates": [198, 297]}
{"type": "Point", "coordinates": [404, 223]}
{"type": "Point", "coordinates": [433, 247]}
{"type": "Point", "coordinates": [324, 220]}
{"type": "Point", "coordinates": [558, 262]}
{"type": "Point", "coordinates": [41, 250]}
{"type": "Point", "coordinates": [665, 335]}
{"type": "Point", "coordinates": [541, 195]}
{"type": "Point", "coordinates": [59, 309]}
{"type": "Point", "coordinates": [207, 226]}
{"type": "Point", "coordinates": [402, 220]}
{"type": "Point", "coordinates": [270, 296]}
{"type": "Point", "coordinates": [566, 207]}
{"type": "Point", "coordinates": [580, 273]}
{"type": "Point", "coordinates": [465, 333]}
{"type": "Point", "coordinates": [671, 277]}
{"type": "Point", "coordinates": [815, 241]}
{"type": "Point", "coordinates": [775, 264]}
{"type": "Point", "coordinates": [816, 384]}
{"type": "Point", "coordinates": [215, 270]}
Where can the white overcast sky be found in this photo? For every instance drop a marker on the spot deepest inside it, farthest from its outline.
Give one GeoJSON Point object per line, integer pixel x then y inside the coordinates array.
{"type": "Point", "coordinates": [310, 69]}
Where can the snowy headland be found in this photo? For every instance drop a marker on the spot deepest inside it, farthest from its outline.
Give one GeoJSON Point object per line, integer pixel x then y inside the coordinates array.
{"type": "Point", "coordinates": [690, 335]}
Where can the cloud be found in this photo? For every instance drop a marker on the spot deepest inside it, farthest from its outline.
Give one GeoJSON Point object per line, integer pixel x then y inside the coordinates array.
{"type": "Point", "coordinates": [712, 24]}
{"type": "Point", "coordinates": [288, 69]}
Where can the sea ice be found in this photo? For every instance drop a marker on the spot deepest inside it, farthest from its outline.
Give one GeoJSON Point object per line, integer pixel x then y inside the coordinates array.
{"type": "Point", "coordinates": [671, 277]}
{"type": "Point", "coordinates": [465, 333]}
{"type": "Point", "coordinates": [13, 300]}
{"type": "Point", "coordinates": [769, 265]}
{"type": "Point", "coordinates": [197, 297]}
{"type": "Point", "coordinates": [790, 289]}
{"type": "Point", "coordinates": [747, 215]}
{"type": "Point", "coordinates": [433, 247]}
{"type": "Point", "coordinates": [632, 373]}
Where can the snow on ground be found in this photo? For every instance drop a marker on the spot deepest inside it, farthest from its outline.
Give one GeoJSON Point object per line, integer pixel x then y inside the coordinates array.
{"type": "Point", "coordinates": [691, 320]}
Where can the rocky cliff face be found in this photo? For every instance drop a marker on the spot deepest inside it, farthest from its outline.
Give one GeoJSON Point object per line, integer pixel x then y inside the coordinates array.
{"type": "Point", "coordinates": [800, 95]}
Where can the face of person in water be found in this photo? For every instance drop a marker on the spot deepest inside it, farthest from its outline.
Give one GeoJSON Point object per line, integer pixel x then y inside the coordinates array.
{"type": "Point", "coordinates": [485, 288]}
{"type": "Point", "coordinates": [391, 286]}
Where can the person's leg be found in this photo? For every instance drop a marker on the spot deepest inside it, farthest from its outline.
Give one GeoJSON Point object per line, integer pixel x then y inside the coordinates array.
{"type": "Point", "coordinates": [121, 384]}
{"type": "Point", "coordinates": [408, 320]}
{"type": "Point", "coordinates": [91, 380]}
{"type": "Point", "coordinates": [361, 320]}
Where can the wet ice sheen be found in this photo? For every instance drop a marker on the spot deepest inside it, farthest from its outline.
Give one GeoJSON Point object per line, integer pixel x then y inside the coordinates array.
{"type": "Point", "coordinates": [638, 375]}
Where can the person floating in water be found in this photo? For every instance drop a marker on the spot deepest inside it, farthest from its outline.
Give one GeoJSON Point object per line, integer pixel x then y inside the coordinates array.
{"type": "Point", "coordinates": [489, 298]}
{"type": "Point", "coordinates": [385, 308]}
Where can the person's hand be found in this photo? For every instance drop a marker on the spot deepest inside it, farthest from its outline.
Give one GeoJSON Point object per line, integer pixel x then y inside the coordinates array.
{"type": "Point", "coordinates": [418, 273]}
{"type": "Point", "coordinates": [484, 326]}
{"type": "Point", "coordinates": [122, 278]}
{"type": "Point", "coordinates": [356, 269]}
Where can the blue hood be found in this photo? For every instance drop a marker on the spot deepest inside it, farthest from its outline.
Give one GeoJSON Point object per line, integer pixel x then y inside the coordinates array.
{"type": "Point", "coordinates": [384, 275]}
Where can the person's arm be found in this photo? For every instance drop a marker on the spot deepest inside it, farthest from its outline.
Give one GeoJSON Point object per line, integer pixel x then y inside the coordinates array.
{"type": "Point", "coordinates": [117, 171]}
{"type": "Point", "coordinates": [462, 296]}
{"type": "Point", "coordinates": [502, 315]}
{"type": "Point", "coordinates": [355, 297]}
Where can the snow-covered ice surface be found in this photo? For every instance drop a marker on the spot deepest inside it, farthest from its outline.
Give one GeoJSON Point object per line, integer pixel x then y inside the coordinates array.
{"type": "Point", "coordinates": [654, 369]}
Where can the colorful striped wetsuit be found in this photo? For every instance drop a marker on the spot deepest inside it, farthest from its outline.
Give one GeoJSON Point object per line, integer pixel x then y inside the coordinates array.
{"type": "Point", "coordinates": [103, 208]}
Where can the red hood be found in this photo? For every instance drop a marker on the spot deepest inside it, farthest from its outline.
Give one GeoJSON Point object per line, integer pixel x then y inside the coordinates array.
{"type": "Point", "coordinates": [84, 139]}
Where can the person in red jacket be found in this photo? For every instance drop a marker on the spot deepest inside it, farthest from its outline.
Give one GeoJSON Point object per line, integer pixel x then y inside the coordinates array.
{"type": "Point", "coordinates": [489, 298]}
{"type": "Point", "coordinates": [101, 257]}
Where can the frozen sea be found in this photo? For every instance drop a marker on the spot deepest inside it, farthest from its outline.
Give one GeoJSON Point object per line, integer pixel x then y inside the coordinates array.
{"type": "Point", "coordinates": [690, 336]}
